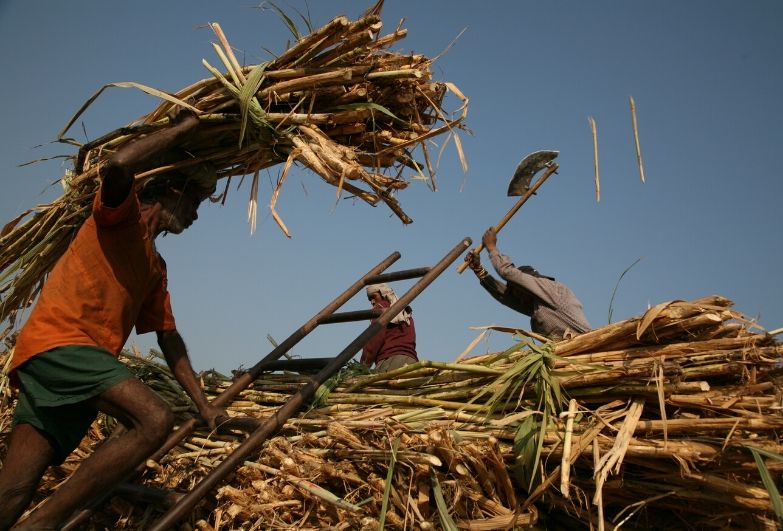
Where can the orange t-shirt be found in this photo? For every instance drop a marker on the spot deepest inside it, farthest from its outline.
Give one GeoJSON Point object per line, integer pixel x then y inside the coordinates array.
{"type": "Point", "coordinates": [108, 280]}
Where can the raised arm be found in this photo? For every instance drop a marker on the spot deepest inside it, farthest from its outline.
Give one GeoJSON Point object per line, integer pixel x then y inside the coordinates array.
{"type": "Point", "coordinates": [510, 273]}
{"type": "Point", "coordinates": [141, 154]}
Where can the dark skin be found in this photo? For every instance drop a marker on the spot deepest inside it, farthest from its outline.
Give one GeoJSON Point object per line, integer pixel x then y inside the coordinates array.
{"type": "Point", "coordinates": [144, 414]}
{"type": "Point", "coordinates": [376, 300]}
{"type": "Point", "coordinates": [489, 240]}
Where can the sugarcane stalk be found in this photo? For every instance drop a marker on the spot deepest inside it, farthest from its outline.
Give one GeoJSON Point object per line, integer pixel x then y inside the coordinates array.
{"type": "Point", "coordinates": [336, 77]}
{"type": "Point", "coordinates": [391, 38]}
{"type": "Point", "coordinates": [356, 398]}
{"type": "Point", "coordinates": [423, 364]}
{"type": "Point", "coordinates": [337, 24]}
{"type": "Point", "coordinates": [353, 42]}
{"type": "Point", "coordinates": [641, 389]}
{"type": "Point", "coordinates": [566, 459]}
{"type": "Point", "coordinates": [679, 349]}
{"type": "Point", "coordinates": [707, 425]}
{"type": "Point", "coordinates": [636, 138]}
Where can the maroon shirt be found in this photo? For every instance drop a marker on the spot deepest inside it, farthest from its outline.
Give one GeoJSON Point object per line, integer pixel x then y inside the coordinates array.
{"type": "Point", "coordinates": [398, 339]}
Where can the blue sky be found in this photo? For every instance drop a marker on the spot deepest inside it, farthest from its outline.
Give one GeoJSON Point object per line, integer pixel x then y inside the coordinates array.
{"type": "Point", "coordinates": [706, 77]}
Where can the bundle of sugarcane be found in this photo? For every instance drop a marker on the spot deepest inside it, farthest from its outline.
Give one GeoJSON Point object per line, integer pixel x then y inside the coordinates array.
{"type": "Point", "coordinates": [338, 101]}
{"type": "Point", "coordinates": [331, 467]}
{"type": "Point", "coordinates": [649, 422]}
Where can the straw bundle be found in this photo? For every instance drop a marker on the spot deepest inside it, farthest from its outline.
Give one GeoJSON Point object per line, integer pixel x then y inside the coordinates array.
{"type": "Point", "coordinates": [652, 422]}
{"type": "Point", "coordinates": [338, 102]}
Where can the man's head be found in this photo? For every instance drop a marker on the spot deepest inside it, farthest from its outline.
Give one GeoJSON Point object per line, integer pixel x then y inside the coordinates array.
{"type": "Point", "coordinates": [532, 271]}
{"type": "Point", "coordinates": [179, 194]}
{"type": "Point", "coordinates": [178, 209]}
{"type": "Point", "coordinates": [382, 296]}
{"type": "Point", "coordinates": [380, 292]}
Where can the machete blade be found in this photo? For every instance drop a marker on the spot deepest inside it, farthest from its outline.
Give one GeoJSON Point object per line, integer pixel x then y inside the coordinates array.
{"type": "Point", "coordinates": [527, 168]}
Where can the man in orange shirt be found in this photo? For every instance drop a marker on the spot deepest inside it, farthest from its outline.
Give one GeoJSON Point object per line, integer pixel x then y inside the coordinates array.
{"type": "Point", "coordinates": [109, 280]}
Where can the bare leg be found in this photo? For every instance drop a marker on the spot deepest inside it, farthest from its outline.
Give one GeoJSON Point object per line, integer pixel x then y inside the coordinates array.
{"type": "Point", "coordinates": [148, 420]}
{"type": "Point", "coordinates": [29, 454]}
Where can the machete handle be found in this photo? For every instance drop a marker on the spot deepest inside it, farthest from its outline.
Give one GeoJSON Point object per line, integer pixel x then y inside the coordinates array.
{"type": "Point", "coordinates": [552, 168]}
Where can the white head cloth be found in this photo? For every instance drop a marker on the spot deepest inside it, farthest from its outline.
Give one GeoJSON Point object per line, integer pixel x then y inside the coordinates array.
{"type": "Point", "coordinates": [388, 294]}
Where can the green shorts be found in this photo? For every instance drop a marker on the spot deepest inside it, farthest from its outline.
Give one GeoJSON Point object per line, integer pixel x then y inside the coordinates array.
{"type": "Point", "coordinates": [53, 388]}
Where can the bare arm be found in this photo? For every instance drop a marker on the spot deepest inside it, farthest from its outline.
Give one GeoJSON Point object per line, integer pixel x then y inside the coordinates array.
{"type": "Point", "coordinates": [176, 354]}
{"type": "Point", "coordinates": [140, 155]}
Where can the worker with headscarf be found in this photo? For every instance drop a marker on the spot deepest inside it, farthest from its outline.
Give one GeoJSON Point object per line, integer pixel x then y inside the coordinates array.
{"type": "Point", "coordinates": [554, 310]}
{"type": "Point", "coordinates": [395, 345]}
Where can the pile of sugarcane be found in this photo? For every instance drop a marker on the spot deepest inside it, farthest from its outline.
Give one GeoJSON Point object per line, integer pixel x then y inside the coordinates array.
{"type": "Point", "coordinates": [338, 101]}
{"type": "Point", "coordinates": [667, 420]}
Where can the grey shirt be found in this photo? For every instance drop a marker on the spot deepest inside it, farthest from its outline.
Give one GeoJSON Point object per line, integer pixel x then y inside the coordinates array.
{"type": "Point", "coordinates": [552, 307]}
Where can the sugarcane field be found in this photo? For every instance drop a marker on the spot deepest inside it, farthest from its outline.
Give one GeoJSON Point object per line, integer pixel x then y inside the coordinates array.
{"type": "Point", "coordinates": [322, 211]}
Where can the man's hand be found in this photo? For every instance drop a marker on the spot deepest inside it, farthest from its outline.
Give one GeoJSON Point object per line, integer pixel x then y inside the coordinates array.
{"type": "Point", "coordinates": [474, 260]}
{"type": "Point", "coordinates": [490, 239]}
{"type": "Point", "coordinates": [211, 415]}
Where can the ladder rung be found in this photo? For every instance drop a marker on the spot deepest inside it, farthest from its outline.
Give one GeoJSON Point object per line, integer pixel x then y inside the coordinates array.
{"type": "Point", "coordinates": [398, 275]}
{"type": "Point", "coordinates": [346, 317]}
{"type": "Point", "coordinates": [146, 494]}
{"type": "Point", "coordinates": [298, 364]}
{"type": "Point", "coordinates": [246, 424]}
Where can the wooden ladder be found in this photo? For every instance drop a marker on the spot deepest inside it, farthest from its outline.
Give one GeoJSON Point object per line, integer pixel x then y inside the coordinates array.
{"type": "Point", "coordinates": [260, 431]}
